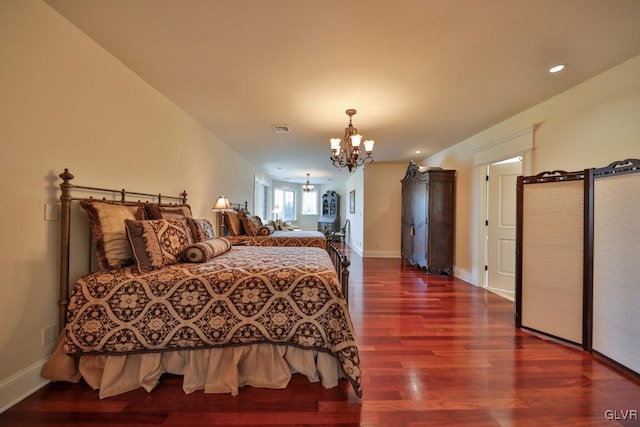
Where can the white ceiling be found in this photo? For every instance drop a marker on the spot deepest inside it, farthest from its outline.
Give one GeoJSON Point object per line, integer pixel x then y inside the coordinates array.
{"type": "Point", "coordinates": [423, 74]}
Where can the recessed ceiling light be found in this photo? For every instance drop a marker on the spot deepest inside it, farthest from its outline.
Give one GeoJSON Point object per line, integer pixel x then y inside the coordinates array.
{"type": "Point", "coordinates": [418, 151]}
{"type": "Point", "coordinates": [556, 68]}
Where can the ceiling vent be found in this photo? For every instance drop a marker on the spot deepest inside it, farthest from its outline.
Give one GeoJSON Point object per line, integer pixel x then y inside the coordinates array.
{"type": "Point", "coordinates": [281, 128]}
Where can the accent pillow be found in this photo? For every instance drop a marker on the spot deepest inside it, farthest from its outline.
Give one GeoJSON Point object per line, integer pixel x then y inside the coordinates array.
{"type": "Point", "coordinates": [250, 225]}
{"type": "Point", "coordinates": [157, 243]}
{"type": "Point", "coordinates": [266, 230]}
{"type": "Point", "coordinates": [109, 232]}
{"type": "Point", "coordinates": [165, 212]}
{"type": "Point", "coordinates": [234, 223]}
{"type": "Point", "coordinates": [207, 250]}
{"type": "Point", "coordinates": [201, 229]}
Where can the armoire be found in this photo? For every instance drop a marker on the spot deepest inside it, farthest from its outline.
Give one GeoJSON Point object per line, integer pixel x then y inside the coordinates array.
{"type": "Point", "coordinates": [427, 217]}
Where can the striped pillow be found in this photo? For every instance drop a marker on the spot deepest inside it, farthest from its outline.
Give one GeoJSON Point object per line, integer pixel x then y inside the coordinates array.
{"type": "Point", "coordinates": [207, 250]}
{"type": "Point", "coordinates": [109, 232]}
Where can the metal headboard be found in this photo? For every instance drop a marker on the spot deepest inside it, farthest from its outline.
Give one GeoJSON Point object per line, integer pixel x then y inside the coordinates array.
{"type": "Point", "coordinates": [66, 199]}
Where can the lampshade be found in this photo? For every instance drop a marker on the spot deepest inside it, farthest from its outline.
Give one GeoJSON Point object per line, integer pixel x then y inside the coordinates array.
{"type": "Point", "coordinates": [222, 205]}
{"type": "Point", "coordinates": [368, 145]}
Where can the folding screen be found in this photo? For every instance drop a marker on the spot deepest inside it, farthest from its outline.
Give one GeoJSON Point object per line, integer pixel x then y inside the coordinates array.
{"type": "Point", "coordinates": [613, 260]}
{"type": "Point", "coordinates": [550, 254]}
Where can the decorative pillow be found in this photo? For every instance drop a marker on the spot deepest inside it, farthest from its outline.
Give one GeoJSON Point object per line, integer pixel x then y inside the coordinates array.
{"type": "Point", "coordinates": [277, 225]}
{"type": "Point", "coordinates": [234, 223]}
{"type": "Point", "coordinates": [165, 212]}
{"type": "Point", "coordinates": [108, 228]}
{"type": "Point", "coordinates": [201, 229]}
{"type": "Point", "coordinates": [250, 225]}
{"type": "Point", "coordinates": [207, 250]}
{"type": "Point", "coordinates": [157, 243]}
{"type": "Point", "coordinates": [266, 230]}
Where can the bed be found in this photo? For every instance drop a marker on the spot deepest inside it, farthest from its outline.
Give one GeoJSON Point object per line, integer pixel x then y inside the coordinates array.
{"type": "Point", "coordinates": [238, 315]}
{"type": "Point", "coordinates": [250, 229]}
{"type": "Point", "coordinates": [291, 238]}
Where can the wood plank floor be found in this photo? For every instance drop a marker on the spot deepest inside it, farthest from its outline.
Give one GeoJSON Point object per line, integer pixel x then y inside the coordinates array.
{"type": "Point", "coordinates": [435, 351]}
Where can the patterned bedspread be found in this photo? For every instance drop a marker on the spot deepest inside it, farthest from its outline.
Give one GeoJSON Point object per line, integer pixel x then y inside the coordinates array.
{"type": "Point", "coordinates": [312, 239]}
{"type": "Point", "coordinates": [251, 294]}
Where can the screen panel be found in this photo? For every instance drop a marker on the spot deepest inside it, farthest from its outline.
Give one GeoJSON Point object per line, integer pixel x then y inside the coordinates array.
{"type": "Point", "coordinates": [552, 258]}
{"type": "Point", "coordinates": [616, 268]}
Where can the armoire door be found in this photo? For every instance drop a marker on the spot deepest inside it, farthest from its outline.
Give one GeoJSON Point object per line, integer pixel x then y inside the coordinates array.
{"type": "Point", "coordinates": [440, 214]}
{"type": "Point", "coordinates": [407, 223]}
{"type": "Point", "coordinates": [420, 199]}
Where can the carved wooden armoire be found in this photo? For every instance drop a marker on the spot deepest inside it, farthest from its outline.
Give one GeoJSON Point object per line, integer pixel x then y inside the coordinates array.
{"type": "Point", "coordinates": [330, 219]}
{"type": "Point", "coordinates": [428, 215]}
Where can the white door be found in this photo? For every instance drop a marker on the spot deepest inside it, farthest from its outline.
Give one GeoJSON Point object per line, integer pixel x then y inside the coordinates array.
{"type": "Point", "coordinates": [501, 227]}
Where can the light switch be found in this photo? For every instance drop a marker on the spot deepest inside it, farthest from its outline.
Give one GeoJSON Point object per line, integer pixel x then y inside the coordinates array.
{"type": "Point", "coordinates": [51, 212]}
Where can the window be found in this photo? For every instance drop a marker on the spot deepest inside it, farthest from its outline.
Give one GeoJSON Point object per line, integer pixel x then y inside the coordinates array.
{"type": "Point", "coordinates": [284, 204]}
{"type": "Point", "coordinates": [261, 199]}
{"type": "Point", "coordinates": [310, 203]}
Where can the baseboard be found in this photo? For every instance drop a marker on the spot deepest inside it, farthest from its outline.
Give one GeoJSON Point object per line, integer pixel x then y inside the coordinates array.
{"type": "Point", "coordinates": [355, 249]}
{"type": "Point", "coordinates": [464, 275]}
{"type": "Point", "coordinates": [22, 384]}
{"type": "Point", "coordinates": [381, 254]}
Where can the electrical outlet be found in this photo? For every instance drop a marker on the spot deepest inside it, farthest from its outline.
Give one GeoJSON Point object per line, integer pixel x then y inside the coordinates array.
{"type": "Point", "coordinates": [49, 334]}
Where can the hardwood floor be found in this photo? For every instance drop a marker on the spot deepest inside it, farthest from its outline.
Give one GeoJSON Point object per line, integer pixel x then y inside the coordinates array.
{"type": "Point", "coordinates": [435, 351]}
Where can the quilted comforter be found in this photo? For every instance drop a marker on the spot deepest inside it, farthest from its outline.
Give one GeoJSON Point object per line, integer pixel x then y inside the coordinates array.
{"type": "Point", "coordinates": [297, 238]}
{"type": "Point", "coordinates": [251, 294]}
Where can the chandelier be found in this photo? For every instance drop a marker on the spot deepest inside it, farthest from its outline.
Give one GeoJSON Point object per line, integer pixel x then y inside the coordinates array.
{"type": "Point", "coordinates": [308, 187]}
{"type": "Point", "coordinates": [346, 152]}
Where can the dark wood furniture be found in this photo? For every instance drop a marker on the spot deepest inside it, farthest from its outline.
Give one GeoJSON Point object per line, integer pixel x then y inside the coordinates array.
{"type": "Point", "coordinates": [330, 219]}
{"type": "Point", "coordinates": [428, 213]}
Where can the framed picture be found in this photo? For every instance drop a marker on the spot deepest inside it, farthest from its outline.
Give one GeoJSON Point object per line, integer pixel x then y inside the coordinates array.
{"type": "Point", "coordinates": [352, 201]}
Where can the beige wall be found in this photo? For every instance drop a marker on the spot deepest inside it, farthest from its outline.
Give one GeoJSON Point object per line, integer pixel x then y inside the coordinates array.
{"type": "Point", "coordinates": [68, 103]}
{"type": "Point", "coordinates": [590, 125]}
{"type": "Point", "coordinates": [355, 237]}
{"type": "Point", "coordinates": [383, 198]}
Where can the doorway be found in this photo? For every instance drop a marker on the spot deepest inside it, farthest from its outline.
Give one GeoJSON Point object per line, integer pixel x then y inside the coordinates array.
{"type": "Point", "coordinates": [500, 226]}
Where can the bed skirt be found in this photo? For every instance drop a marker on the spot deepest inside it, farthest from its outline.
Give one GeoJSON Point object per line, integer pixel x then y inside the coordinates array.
{"type": "Point", "coordinates": [215, 370]}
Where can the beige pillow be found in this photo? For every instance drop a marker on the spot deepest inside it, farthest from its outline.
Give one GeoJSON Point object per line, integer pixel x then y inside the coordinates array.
{"type": "Point", "coordinates": [165, 212]}
{"type": "Point", "coordinates": [233, 223]}
{"type": "Point", "coordinates": [108, 228]}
